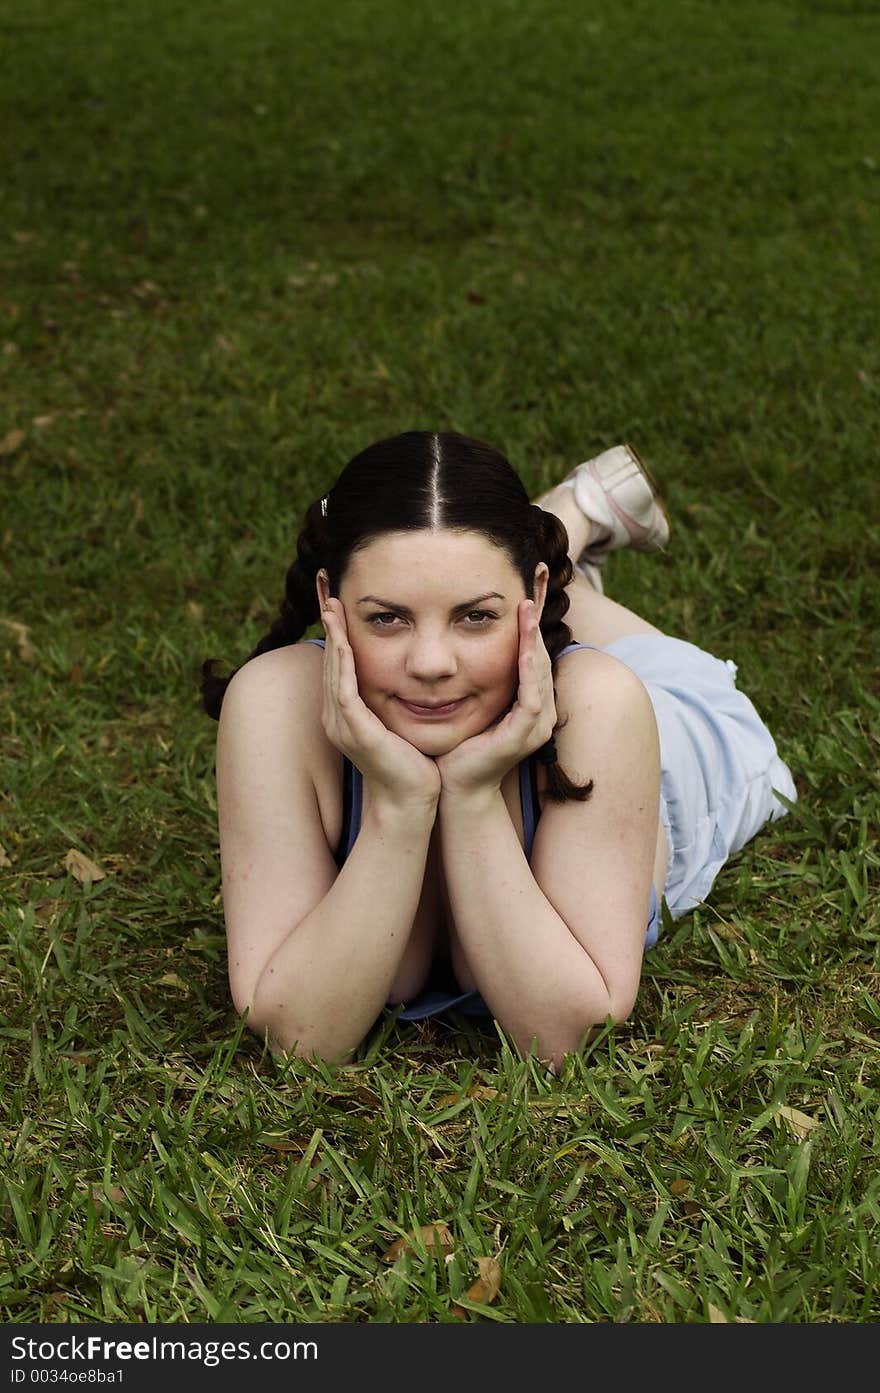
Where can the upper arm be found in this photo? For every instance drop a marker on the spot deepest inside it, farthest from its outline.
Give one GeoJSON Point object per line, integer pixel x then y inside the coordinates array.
{"type": "Point", "coordinates": [275, 860]}
{"type": "Point", "coordinates": [594, 860]}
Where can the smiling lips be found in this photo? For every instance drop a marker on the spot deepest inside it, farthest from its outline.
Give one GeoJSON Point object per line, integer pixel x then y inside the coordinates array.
{"type": "Point", "coordinates": [435, 711]}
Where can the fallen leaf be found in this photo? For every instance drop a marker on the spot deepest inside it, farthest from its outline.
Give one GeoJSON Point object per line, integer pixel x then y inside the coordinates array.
{"type": "Point", "coordinates": [476, 1090]}
{"type": "Point", "coordinates": [4, 859]}
{"type": "Point", "coordinates": [286, 1143]}
{"type": "Point", "coordinates": [21, 631]}
{"type": "Point", "coordinates": [679, 1187]}
{"type": "Point", "coordinates": [41, 422]}
{"type": "Point", "coordinates": [111, 1193]}
{"type": "Point", "coordinates": [716, 1317]}
{"type": "Point", "coordinates": [11, 442]}
{"type": "Point", "coordinates": [171, 979]}
{"type": "Point", "coordinates": [195, 610]}
{"type": "Point", "coordinates": [799, 1123]}
{"type": "Point", "coordinates": [81, 868]}
{"type": "Point", "coordinates": [75, 674]}
{"type": "Point", "coordinates": [367, 1096]}
{"type": "Point", "coordinates": [484, 1290]}
{"type": "Point", "coordinates": [487, 1285]}
{"type": "Point", "coordinates": [432, 1235]}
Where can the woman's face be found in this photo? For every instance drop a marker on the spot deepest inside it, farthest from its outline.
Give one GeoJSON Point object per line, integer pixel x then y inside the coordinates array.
{"type": "Point", "coordinates": [432, 622]}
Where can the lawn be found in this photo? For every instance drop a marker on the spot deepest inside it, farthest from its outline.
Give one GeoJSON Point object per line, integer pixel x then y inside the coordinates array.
{"type": "Point", "coordinates": [240, 241]}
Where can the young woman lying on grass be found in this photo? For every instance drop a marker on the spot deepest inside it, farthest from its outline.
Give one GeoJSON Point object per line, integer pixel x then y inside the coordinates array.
{"type": "Point", "coordinates": [473, 793]}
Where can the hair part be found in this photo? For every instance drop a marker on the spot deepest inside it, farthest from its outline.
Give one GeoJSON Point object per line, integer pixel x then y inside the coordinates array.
{"type": "Point", "coordinates": [415, 481]}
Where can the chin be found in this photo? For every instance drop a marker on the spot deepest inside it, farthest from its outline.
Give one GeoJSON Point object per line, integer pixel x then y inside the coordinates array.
{"type": "Point", "coordinates": [434, 745]}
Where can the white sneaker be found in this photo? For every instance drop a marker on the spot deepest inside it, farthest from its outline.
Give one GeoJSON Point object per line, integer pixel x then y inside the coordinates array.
{"type": "Point", "coordinates": [615, 492]}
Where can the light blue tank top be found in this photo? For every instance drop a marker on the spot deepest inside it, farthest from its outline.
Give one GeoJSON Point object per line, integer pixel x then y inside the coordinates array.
{"type": "Point", "coordinates": [432, 1001]}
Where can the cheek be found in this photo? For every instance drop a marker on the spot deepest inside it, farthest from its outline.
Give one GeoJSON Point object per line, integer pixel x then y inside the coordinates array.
{"type": "Point", "coordinates": [373, 664]}
{"type": "Point", "coordinates": [496, 667]}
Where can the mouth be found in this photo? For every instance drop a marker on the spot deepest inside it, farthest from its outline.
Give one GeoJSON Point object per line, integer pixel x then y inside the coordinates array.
{"type": "Point", "coordinates": [434, 711]}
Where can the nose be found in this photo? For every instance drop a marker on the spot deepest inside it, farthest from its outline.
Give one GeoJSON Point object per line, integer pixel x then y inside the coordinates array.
{"type": "Point", "coordinates": [431, 656]}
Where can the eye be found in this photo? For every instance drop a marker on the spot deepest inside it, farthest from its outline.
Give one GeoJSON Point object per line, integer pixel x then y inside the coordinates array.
{"type": "Point", "coordinates": [383, 620]}
{"type": "Point", "coordinates": [480, 618]}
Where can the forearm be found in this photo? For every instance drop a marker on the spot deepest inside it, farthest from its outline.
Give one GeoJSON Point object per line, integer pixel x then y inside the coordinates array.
{"type": "Point", "coordinates": [325, 985]}
{"type": "Point", "coordinates": [535, 976]}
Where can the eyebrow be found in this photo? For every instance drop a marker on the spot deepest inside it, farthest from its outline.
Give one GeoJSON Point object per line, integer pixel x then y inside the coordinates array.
{"type": "Point", "coordinates": [456, 609]}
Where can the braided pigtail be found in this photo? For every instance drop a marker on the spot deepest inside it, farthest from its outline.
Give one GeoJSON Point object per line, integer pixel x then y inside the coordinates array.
{"type": "Point", "coordinates": [552, 545]}
{"type": "Point", "coordinates": [298, 608]}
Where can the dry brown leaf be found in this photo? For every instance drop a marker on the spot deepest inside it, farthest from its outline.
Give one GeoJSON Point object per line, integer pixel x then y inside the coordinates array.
{"type": "Point", "coordinates": [484, 1290]}
{"type": "Point", "coordinates": [432, 1235]}
{"type": "Point", "coordinates": [81, 868]}
{"type": "Point", "coordinates": [25, 652]}
{"type": "Point", "coordinates": [486, 1287]}
{"type": "Point", "coordinates": [367, 1096]}
{"type": "Point", "coordinates": [75, 674]}
{"type": "Point", "coordinates": [112, 1194]}
{"type": "Point", "coordinates": [4, 859]}
{"type": "Point", "coordinates": [286, 1143]}
{"type": "Point", "coordinates": [11, 442]}
{"type": "Point", "coordinates": [52, 1300]}
{"type": "Point", "coordinates": [679, 1187]}
{"type": "Point", "coordinates": [476, 1090]}
{"type": "Point", "coordinates": [716, 1317]}
{"type": "Point", "coordinates": [799, 1123]}
{"type": "Point", "coordinates": [171, 979]}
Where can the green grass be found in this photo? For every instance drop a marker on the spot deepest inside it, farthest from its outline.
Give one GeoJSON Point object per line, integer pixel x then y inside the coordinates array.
{"type": "Point", "coordinates": [242, 241]}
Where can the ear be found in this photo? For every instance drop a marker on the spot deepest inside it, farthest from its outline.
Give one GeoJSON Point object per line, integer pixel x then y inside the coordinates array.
{"type": "Point", "coordinates": [322, 585]}
{"type": "Point", "coordinates": [542, 577]}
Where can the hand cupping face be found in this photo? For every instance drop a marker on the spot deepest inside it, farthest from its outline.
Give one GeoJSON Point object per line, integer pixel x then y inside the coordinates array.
{"type": "Point", "coordinates": [484, 759]}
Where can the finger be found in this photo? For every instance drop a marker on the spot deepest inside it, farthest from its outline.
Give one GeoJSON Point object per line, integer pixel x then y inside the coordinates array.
{"type": "Point", "coordinates": [344, 673]}
{"type": "Point", "coordinates": [529, 695]}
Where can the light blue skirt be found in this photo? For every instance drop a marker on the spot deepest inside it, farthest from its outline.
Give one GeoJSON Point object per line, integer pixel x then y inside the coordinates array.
{"type": "Point", "coordinates": [721, 772]}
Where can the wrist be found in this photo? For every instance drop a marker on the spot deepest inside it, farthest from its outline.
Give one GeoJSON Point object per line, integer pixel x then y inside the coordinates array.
{"type": "Point", "coordinates": [476, 800]}
{"type": "Point", "coordinates": [392, 810]}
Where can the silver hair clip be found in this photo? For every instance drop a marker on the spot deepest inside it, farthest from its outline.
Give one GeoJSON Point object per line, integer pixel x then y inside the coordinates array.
{"type": "Point", "coordinates": [324, 507]}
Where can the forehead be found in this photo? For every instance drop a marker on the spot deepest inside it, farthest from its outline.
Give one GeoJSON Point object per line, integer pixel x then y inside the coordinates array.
{"type": "Point", "coordinates": [438, 561]}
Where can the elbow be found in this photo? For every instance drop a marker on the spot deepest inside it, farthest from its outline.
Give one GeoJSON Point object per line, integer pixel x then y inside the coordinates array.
{"type": "Point", "coordinates": [553, 1046]}
{"type": "Point", "coordinates": [281, 1035]}
{"type": "Point", "coordinates": [244, 999]}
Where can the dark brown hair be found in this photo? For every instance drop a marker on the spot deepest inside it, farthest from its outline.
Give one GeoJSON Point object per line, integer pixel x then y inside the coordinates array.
{"type": "Point", "coordinates": [422, 479]}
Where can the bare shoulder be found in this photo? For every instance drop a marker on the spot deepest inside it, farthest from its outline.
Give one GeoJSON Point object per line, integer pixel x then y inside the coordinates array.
{"type": "Point", "coordinates": [271, 736]}
{"type": "Point", "coordinates": [275, 854]}
{"type": "Point", "coordinates": [275, 681]}
{"type": "Point", "coordinates": [595, 693]}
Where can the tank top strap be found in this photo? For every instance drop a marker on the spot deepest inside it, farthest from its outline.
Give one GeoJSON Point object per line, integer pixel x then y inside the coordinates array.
{"type": "Point", "coordinates": [570, 648]}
